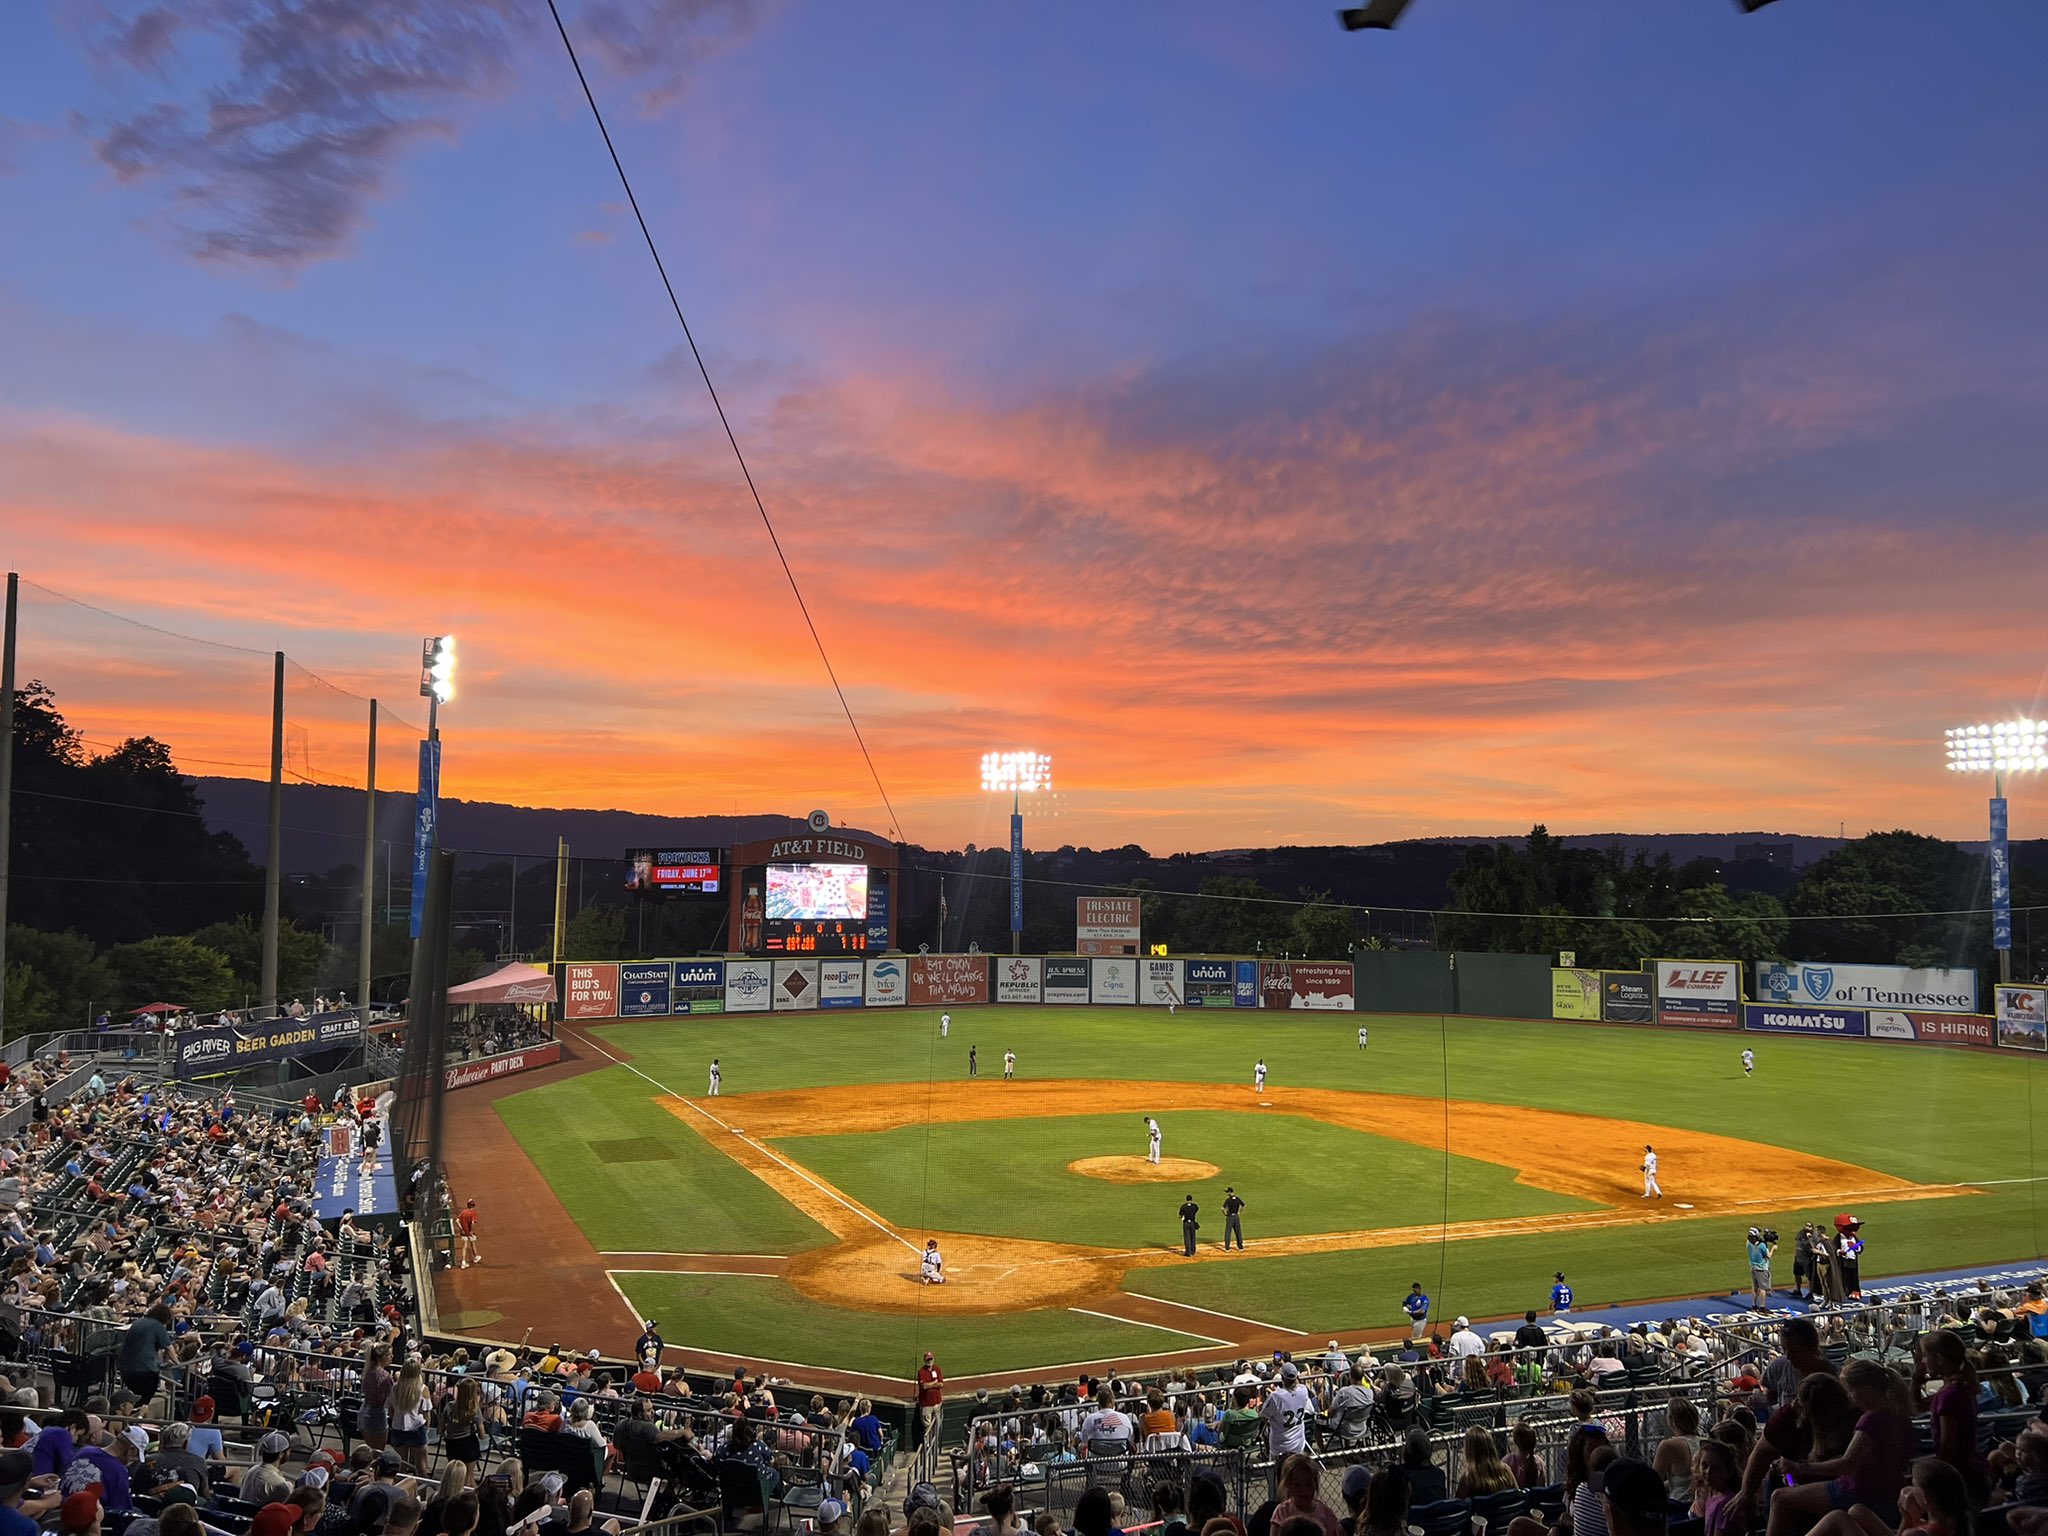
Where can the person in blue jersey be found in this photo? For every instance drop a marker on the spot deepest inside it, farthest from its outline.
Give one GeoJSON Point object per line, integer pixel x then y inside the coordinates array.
{"type": "Point", "coordinates": [1416, 1305]}
{"type": "Point", "coordinates": [1561, 1296]}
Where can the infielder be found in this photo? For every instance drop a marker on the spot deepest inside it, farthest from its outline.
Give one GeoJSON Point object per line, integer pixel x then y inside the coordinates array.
{"type": "Point", "coordinates": [1748, 1062]}
{"type": "Point", "coordinates": [717, 1077]}
{"type": "Point", "coordinates": [1232, 1227]}
{"type": "Point", "coordinates": [1009, 1065]}
{"type": "Point", "coordinates": [1152, 1139]}
{"type": "Point", "coordinates": [932, 1269]}
{"type": "Point", "coordinates": [1650, 1184]}
{"type": "Point", "coordinates": [945, 1024]}
{"type": "Point", "coordinates": [1259, 1076]}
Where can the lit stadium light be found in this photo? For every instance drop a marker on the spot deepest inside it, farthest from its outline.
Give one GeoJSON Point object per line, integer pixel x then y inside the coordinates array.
{"type": "Point", "coordinates": [437, 668]}
{"type": "Point", "coordinates": [1015, 773]}
{"type": "Point", "coordinates": [2006, 746]}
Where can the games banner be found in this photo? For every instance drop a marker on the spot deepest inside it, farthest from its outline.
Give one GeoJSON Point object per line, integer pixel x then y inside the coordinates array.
{"type": "Point", "coordinates": [749, 985]}
{"type": "Point", "coordinates": [1574, 993]}
{"type": "Point", "coordinates": [1244, 983]}
{"type": "Point", "coordinates": [1210, 984]}
{"type": "Point", "coordinates": [796, 986]}
{"type": "Point", "coordinates": [1161, 982]}
{"type": "Point", "coordinates": [2022, 1015]}
{"type": "Point", "coordinates": [643, 989]}
{"type": "Point", "coordinates": [840, 982]}
{"type": "Point", "coordinates": [937, 981]}
{"type": "Point", "coordinates": [1113, 980]}
{"type": "Point", "coordinates": [1066, 981]}
{"type": "Point", "coordinates": [590, 991]}
{"type": "Point", "coordinates": [1626, 998]}
{"type": "Point", "coordinates": [1932, 1028]}
{"type": "Point", "coordinates": [698, 986]}
{"type": "Point", "coordinates": [888, 984]}
{"type": "Point", "coordinates": [1786, 1019]}
{"type": "Point", "coordinates": [1323, 985]}
{"type": "Point", "coordinates": [228, 1047]}
{"type": "Point", "coordinates": [1019, 979]}
{"type": "Point", "coordinates": [1934, 990]}
{"type": "Point", "coordinates": [1699, 994]}
{"type": "Point", "coordinates": [1106, 925]}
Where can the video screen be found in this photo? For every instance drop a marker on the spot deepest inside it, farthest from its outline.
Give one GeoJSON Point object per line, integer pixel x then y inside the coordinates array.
{"type": "Point", "coordinates": [673, 871]}
{"type": "Point", "coordinates": [811, 891]}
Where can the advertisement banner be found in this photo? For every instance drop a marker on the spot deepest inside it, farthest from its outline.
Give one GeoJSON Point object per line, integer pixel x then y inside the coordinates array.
{"type": "Point", "coordinates": [426, 811]}
{"type": "Point", "coordinates": [228, 1047]}
{"type": "Point", "coordinates": [1626, 997]}
{"type": "Point", "coordinates": [1705, 994]}
{"type": "Point", "coordinates": [840, 983]}
{"type": "Point", "coordinates": [2001, 878]}
{"type": "Point", "coordinates": [590, 991]}
{"type": "Point", "coordinates": [888, 983]}
{"type": "Point", "coordinates": [1016, 873]}
{"type": "Point", "coordinates": [1323, 985]}
{"type": "Point", "coordinates": [1106, 925]}
{"type": "Point", "coordinates": [1932, 1028]}
{"type": "Point", "coordinates": [938, 981]}
{"type": "Point", "coordinates": [350, 1184]}
{"type": "Point", "coordinates": [1244, 984]}
{"type": "Point", "coordinates": [1113, 980]}
{"type": "Point", "coordinates": [2022, 1015]}
{"type": "Point", "coordinates": [467, 1074]}
{"type": "Point", "coordinates": [1789, 1019]}
{"type": "Point", "coordinates": [1867, 986]}
{"type": "Point", "coordinates": [878, 912]}
{"type": "Point", "coordinates": [796, 985]}
{"type": "Point", "coordinates": [1574, 993]}
{"type": "Point", "coordinates": [1018, 979]}
{"type": "Point", "coordinates": [697, 986]}
{"type": "Point", "coordinates": [749, 986]}
{"type": "Point", "coordinates": [1210, 984]}
{"type": "Point", "coordinates": [1276, 987]}
{"type": "Point", "coordinates": [1161, 982]}
{"type": "Point", "coordinates": [643, 989]}
{"type": "Point", "coordinates": [1066, 981]}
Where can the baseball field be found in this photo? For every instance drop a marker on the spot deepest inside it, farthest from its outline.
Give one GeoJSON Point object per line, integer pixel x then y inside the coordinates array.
{"type": "Point", "coordinates": [782, 1221]}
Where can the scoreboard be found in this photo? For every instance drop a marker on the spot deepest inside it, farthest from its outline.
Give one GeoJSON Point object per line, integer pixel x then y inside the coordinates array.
{"type": "Point", "coordinates": [814, 936]}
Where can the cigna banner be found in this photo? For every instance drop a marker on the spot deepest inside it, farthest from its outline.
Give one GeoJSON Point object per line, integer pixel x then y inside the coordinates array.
{"type": "Point", "coordinates": [1934, 990]}
{"type": "Point", "coordinates": [227, 1047]}
{"type": "Point", "coordinates": [1706, 994]}
{"type": "Point", "coordinates": [1112, 981]}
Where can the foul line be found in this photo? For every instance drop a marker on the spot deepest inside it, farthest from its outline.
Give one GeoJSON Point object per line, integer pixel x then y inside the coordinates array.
{"type": "Point", "coordinates": [678, 1253]}
{"type": "Point", "coordinates": [1182, 1333]}
{"type": "Point", "coordinates": [1188, 1306]}
{"type": "Point", "coordinates": [824, 1189]}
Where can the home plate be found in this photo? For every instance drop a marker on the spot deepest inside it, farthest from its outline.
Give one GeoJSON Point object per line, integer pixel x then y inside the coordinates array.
{"type": "Point", "coordinates": [1681, 1205]}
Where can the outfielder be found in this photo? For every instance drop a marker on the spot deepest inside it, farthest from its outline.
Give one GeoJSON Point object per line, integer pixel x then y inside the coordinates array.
{"type": "Point", "coordinates": [973, 1063]}
{"type": "Point", "coordinates": [1259, 1076]}
{"type": "Point", "coordinates": [932, 1269]}
{"type": "Point", "coordinates": [1748, 1062]}
{"type": "Point", "coordinates": [1009, 1065]}
{"type": "Point", "coordinates": [1152, 1139]}
{"type": "Point", "coordinates": [1361, 1037]}
{"type": "Point", "coordinates": [945, 1024]}
{"type": "Point", "coordinates": [1650, 1184]}
{"type": "Point", "coordinates": [717, 1077]}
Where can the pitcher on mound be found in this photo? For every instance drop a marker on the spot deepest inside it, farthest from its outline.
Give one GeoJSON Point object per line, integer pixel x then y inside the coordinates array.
{"type": "Point", "coordinates": [1152, 1139]}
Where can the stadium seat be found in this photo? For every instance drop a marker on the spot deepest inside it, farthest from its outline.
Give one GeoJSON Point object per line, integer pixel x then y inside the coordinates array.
{"type": "Point", "coordinates": [742, 1494]}
{"type": "Point", "coordinates": [1547, 1503]}
{"type": "Point", "coordinates": [1446, 1517]}
{"type": "Point", "coordinates": [1497, 1509]}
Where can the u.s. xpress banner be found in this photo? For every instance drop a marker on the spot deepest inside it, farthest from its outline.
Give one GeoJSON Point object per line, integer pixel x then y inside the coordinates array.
{"type": "Point", "coordinates": [1812, 983]}
{"type": "Point", "coordinates": [226, 1047]}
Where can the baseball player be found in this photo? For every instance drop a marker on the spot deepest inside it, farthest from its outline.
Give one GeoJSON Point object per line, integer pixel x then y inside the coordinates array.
{"type": "Point", "coordinates": [465, 1236]}
{"type": "Point", "coordinates": [945, 1024]}
{"type": "Point", "coordinates": [1152, 1139]}
{"type": "Point", "coordinates": [973, 1063]}
{"type": "Point", "coordinates": [1748, 1062]}
{"type": "Point", "coordinates": [1009, 1065]}
{"type": "Point", "coordinates": [1561, 1296]}
{"type": "Point", "coordinates": [1232, 1227]}
{"type": "Point", "coordinates": [932, 1268]}
{"type": "Point", "coordinates": [1650, 1184]}
{"type": "Point", "coordinates": [1361, 1037]}
{"type": "Point", "coordinates": [1259, 1076]}
{"type": "Point", "coordinates": [717, 1077]}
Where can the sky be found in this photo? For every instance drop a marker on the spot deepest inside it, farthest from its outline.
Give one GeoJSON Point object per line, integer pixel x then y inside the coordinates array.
{"type": "Point", "coordinates": [1613, 415]}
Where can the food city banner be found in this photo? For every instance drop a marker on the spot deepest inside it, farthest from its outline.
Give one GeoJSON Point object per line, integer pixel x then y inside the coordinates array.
{"type": "Point", "coordinates": [1574, 993]}
{"type": "Point", "coordinates": [796, 985]}
{"type": "Point", "coordinates": [1626, 997]}
{"type": "Point", "coordinates": [2022, 1015]}
{"type": "Point", "coordinates": [1705, 994]}
{"type": "Point", "coordinates": [939, 980]}
{"type": "Point", "coordinates": [839, 983]}
{"type": "Point", "coordinates": [888, 984]}
{"type": "Point", "coordinates": [1019, 979]}
{"type": "Point", "coordinates": [643, 989]}
{"type": "Point", "coordinates": [590, 991]}
{"type": "Point", "coordinates": [1931, 1028]}
{"type": "Point", "coordinates": [697, 986]}
{"type": "Point", "coordinates": [1106, 925]}
{"type": "Point", "coordinates": [1161, 982]}
{"type": "Point", "coordinates": [229, 1047]}
{"type": "Point", "coordinates": [1934, 990]}
{"type": "Point", "coordinates": [1066, 981]}
{"type": "Point", "coordinates": [749, 986]}
{"type": "Point", "coordinates": [1789, 1019]}
{"type": "Point", "coordinates": [1113, 980]}
{"type": "Point", "coordinates": [1322, 985]}
{"type": "Point", "coordinates": [1210, 984]}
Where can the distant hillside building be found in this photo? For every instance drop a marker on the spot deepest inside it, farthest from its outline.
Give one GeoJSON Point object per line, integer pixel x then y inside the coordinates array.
{"type": "Point", "coordinates": [1778, 852]}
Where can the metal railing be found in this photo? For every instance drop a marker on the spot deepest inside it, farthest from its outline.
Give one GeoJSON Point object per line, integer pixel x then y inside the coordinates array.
{"type": "Point", "coordinates": [1055, 1486]}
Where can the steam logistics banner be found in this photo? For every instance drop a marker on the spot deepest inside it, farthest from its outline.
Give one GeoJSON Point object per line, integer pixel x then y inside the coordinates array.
{"type": "Point", "coordinates": [1574, 994]}
{"type": "Point", "coordinates": [1626, 997]}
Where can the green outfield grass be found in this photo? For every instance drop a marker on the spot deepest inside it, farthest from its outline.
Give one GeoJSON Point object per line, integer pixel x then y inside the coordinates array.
{"type": "Point", "coordinates": [1298, 1175]}
{"type": "Point", "coordinates": [637, 1179]}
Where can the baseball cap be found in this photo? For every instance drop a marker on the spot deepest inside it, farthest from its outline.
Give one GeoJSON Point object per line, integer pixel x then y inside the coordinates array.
{"type": "Point", "coordinates": [274, 1520]}
{"type": "Point", "coordinates": [923, 1496]}
{"type": "Point", "coordinates": [1288, 1372]}
{"type": "Point", "coordinates": [1637, 1492]}
{"type": "Point", "coordinates": [1357, 1483]}
{"type": "Point", "coordinates": [388, 1460]}
{"type": "Point", "coordinates": [830, 1511]}
{"type": "Point", "coordinates": [16, 1468]}
{"type": "Point", "coordinates": [315, 1477]}
{"type": "Point", "coordinates": [179, 1493]}
{"type": "Point", "coordinates": [137, 1436]}
{"type": "Point", "coordinates": [81, 1509]}
{"type": "Point", "coordinates": [276, 1443]}
{"type": "Point", "coordinates": [1462, 1322]}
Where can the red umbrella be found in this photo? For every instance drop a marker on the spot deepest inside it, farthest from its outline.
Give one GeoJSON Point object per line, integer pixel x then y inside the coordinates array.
{"type": "Point", "coordinates": [157, 1008]}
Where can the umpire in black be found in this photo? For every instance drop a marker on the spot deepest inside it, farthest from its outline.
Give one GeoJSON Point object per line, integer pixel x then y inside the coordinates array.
{"type": "Point", "coordinates": [1188, 1225]}
{"type": "Point", "coordinates": [1232, 1227]}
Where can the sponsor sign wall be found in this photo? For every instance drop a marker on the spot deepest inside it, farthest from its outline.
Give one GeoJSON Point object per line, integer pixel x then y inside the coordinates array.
{"type": "Point", "coordinates": [1705, 994]}
{"type": "Point", "coordinates": [749, 986]}
{"type": "Point", "coordinates": [1788, 1019]}
{"type": "Point", "coordinates": [1113, 980]}
{"type": "Point", "coordinates": [228, 1047]}
{"type": "Point", "coordinates": [1626, 997]}
{"type": "Point", "coordinates": [1210, 984]}
{"type": "Point", "coordinates": [796, 985]}
{"type": "Point", "coordinates": [1276, 986]}
{"type": "Point", "coordinates": [2022, 1015]}
{"type": "Point", "coordinates": [643, 989]}
{"type": "Point", "coordinates": [1162, 982]}
{"type": "Point", "coordinates": [1867, 986]}
{"type": "Point", "coordinates": [940, 980]}
{"type": "Point", "coordinates": [1931, 1028]}
{"type": "Point", "coordinates": [1019, 979]}
{"type": "Point", "coordinates": [1244, 984]}
{"type": "Point", "coordinates": [467, 1074]}
{"type": "Point", "coordinates": [1574, 993]}
{"type": "Point", "coordinates": [1105, 925]}
{"type": "Point", "coordinates": [1324, 985]}
{"type": "Point", "coordinates": [888, 984]}
{"type": "Point", "coordinates": [1066, 981]}
{"type": "Point", "coordinates": [590, 991]}
{"type": "Point", "coordinates": [697, 986]}
{"type": "Point", "coordinates": [840, 983]}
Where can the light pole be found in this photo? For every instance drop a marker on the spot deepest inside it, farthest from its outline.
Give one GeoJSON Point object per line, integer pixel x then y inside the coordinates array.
{"type": "Point", "coordinates": [1020, 773]}
{"type": "Point", "coordinates": [437, 687]}
{"type": "Point", "coordinates": [2007, 746]}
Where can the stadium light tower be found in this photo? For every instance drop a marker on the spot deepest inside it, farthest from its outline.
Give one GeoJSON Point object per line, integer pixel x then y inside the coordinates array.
{"type": "Point", "coordinates": [437, 687]}
{"type": "Point", "coordinates": [1020, 773]}
{"type": "Point", "coordinates": [2008, 746]}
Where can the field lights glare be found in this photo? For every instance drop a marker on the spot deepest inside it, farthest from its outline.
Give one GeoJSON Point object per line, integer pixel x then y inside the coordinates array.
{"type": "Point", "coordinates": [1016, 773]}
{"type": "Point", "coordinates": [437, 668]}
{"type": "Point", "coordinates": [2008, 746]}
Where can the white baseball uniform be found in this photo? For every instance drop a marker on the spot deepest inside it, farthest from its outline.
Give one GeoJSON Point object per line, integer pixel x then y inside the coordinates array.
{"type": "Point", "coordinates": [1152, 1134]}
{"type": "Point", "coordinates": [1009, 1064]}
{"type": "Point", "coordinates": [1259, 1074]}
{"type": "Point", "coordinates": [945, 1024]}
{"type": "Point", "coordinates": [1650, 1184]}
{"type": "Point", "coordinates": [716, 1078]}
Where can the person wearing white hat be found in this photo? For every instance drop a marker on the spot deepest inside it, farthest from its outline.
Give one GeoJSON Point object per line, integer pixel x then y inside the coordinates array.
{"type": "Point", "coordinates": [830, 1513]}
{"type": "Point", "coordinates": [1465, 1340]}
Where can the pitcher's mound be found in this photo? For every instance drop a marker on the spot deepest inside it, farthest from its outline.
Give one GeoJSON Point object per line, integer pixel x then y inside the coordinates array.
{"type": "Point", "coordinates": [1135, 1170]}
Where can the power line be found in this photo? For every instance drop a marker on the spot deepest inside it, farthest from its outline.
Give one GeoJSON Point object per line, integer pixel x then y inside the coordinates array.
{"type": "Point", "coordinates": [731, 438]}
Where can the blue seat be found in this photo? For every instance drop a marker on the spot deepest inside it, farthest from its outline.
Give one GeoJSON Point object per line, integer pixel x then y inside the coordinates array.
{"type": "Point", "coordinates": [1547, 1504]}
{"type": "Point", "coordinates": [1497, 1509]}
{"type": "Point", "coordinates": [1446, 1517]}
